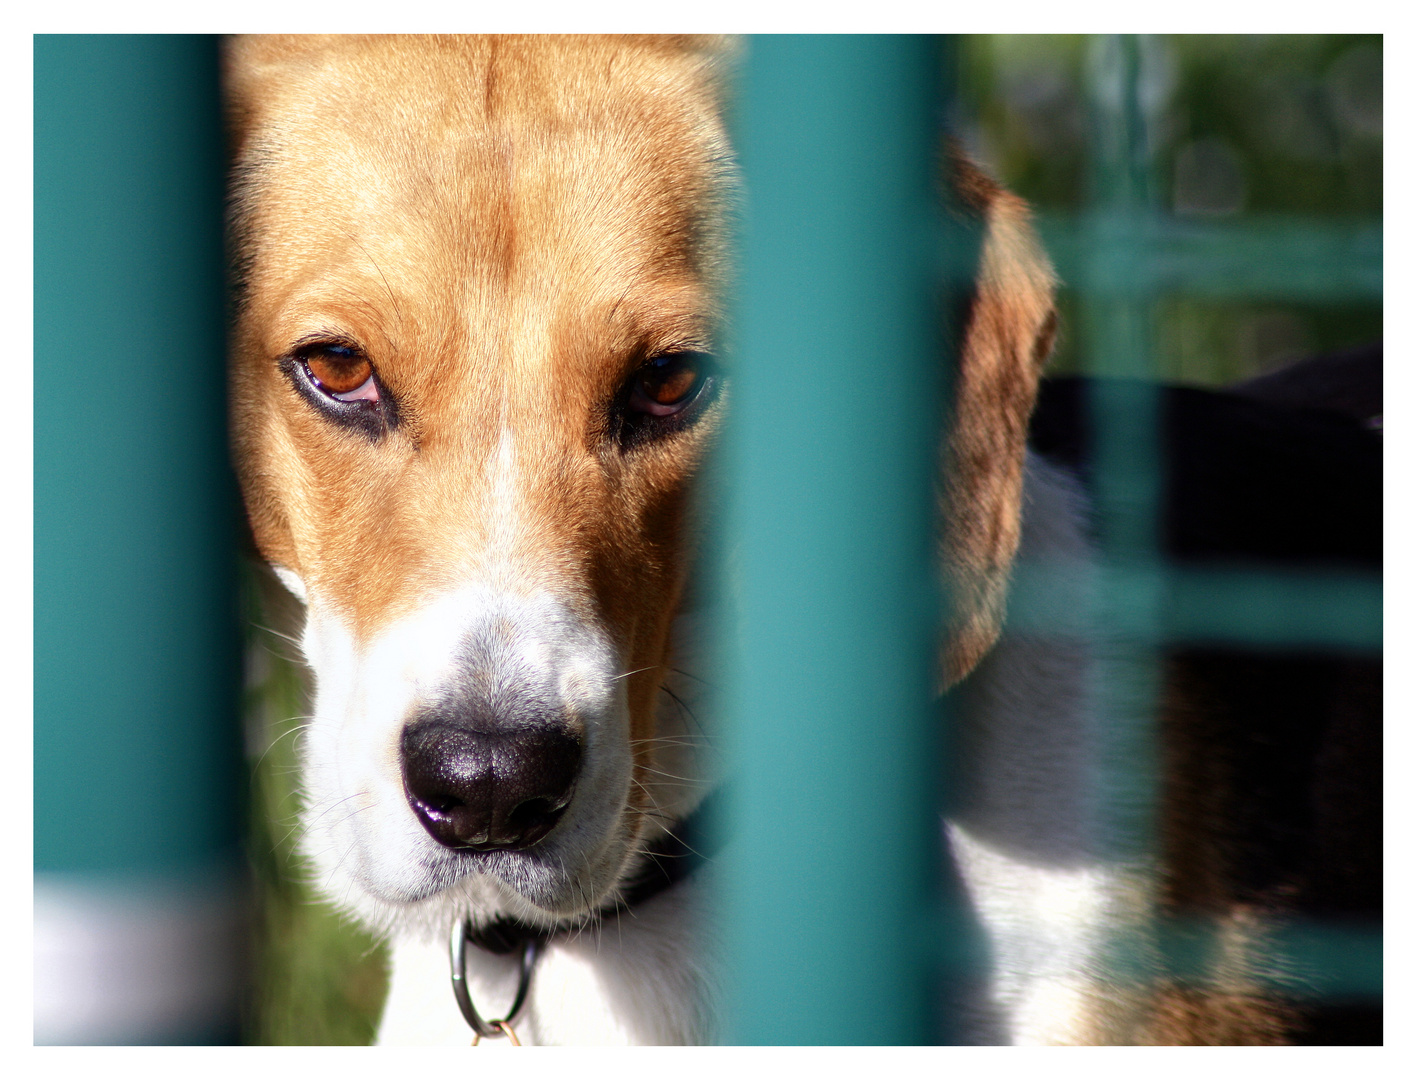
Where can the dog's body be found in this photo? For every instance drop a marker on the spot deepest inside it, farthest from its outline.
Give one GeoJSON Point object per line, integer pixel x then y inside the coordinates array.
{"type": "Point", "coordinates": [472, 387]}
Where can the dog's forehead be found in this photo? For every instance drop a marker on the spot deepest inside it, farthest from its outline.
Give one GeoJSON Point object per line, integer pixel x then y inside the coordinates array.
{"type": "Point", "coordinates": [482, 172]}
{"type": "Point", "coordinates": [506, 243]}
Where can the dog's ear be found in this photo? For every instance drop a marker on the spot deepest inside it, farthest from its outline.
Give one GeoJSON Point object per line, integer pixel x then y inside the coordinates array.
{"type": "Point", "coordinates": [1009, 328]}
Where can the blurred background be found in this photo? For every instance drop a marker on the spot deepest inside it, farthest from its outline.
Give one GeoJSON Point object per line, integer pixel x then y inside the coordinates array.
{"type": "Point", "coordinates": [1266, 149]}
{"type": "Point", "coordinates": [317, 978]}
{"type": "Point", "coordinates": [1264, 133]}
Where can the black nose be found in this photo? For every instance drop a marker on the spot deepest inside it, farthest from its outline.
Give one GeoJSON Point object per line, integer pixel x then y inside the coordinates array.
{"type": "Point", "coordinates": [488, 791]}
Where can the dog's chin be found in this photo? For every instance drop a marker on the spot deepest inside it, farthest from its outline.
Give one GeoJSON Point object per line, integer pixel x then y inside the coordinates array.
{"type": "Point", "coordinates": [560, 881]}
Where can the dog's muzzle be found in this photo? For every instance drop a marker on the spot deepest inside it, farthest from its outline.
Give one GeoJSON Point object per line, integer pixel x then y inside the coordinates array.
{"type": "Point", "coordinates": [476, 754]}
{"type": "Point", "coordinates": [488, 790]}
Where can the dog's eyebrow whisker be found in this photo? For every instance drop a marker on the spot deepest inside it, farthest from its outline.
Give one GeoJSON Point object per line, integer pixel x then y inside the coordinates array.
{"type": "Point", "coordinates": [691, 675]}
{"type": "Point", "coordinates": [616, 306]}
{"type": "Point", "coordinates": [635, 672]}
{"type": "Point", "coordinates": [380, 271]}
{"type": "Point", "coordinates": [687, 711]}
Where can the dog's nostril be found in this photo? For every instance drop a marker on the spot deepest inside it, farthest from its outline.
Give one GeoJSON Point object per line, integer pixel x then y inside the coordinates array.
{"type": "Point", "coordinates": [532, 814]}
{"type": "Point", "coordinates": [488, 790]}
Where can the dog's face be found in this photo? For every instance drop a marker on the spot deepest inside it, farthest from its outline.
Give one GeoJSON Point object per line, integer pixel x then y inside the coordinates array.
{"type": "Point", "coordinates": [472, 384]}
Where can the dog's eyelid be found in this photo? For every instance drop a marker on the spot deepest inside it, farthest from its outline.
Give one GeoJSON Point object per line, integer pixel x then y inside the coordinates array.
{"type": "Point", "coordinates": [680, 348]}
{"type": "Point", "coordinates": [327, 342]}
{"type": "Point", "coordinates": [652, 359]}
{"type": "Point", "coordinates": [336, 375]}
{"type": "Point", "coordinates": [665, 393]}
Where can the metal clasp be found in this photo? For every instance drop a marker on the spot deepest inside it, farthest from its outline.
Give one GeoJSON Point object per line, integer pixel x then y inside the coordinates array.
{"type": "Point", "coordinates": [491, 1029]}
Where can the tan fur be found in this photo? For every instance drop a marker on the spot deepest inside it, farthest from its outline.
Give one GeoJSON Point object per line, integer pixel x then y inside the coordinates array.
{"type": "Point", "coordinates": [509, 227]}
{"type": "Point", "coordinates": [1008, 337]}
{"type": "Point", "coordinates": [501, 265]}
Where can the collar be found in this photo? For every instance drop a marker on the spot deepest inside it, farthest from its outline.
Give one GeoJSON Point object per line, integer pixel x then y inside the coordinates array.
{"type": "Point", "coordinates": [672, 858]}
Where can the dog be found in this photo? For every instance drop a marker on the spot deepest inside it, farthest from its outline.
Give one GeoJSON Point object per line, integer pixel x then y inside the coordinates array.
{"type": "Point", "coordinates": [476, 289]}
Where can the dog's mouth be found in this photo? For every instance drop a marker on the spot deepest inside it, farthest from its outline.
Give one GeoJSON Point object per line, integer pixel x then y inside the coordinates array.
{"type": "Point", "coordinates": [494, 847]}
{"type": "Point", "coordinates": [563, 864]}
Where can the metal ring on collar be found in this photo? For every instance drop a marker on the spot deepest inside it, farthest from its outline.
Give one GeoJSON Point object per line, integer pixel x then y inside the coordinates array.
{"type": "Point", "coordinates": [487, 1029]}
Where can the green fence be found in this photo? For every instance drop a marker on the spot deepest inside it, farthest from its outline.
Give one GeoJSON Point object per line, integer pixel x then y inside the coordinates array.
{"type": "Point", "coordinates": [137, 774]}
{"type": "Point", "coordinates": [828, 896]}
{"type": "Point", "coordinates": [835, 413]}
{"type": "Point", "coordinates": [841, 932]}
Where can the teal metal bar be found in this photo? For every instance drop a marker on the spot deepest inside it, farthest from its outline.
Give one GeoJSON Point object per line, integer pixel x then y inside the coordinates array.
{"type": "Point", "coordinates": [1115, 335]}
{"type": "Point", "coordinates": [137, 753]}
{"type": "Point", "coordinates": [836, 408]}
{"type": "Point", "coordinates": [1273, 258]}
{"type": "Point", "coordinates": [1208, 606]}
{"type": "Point", "coordinates": [1121, 256]}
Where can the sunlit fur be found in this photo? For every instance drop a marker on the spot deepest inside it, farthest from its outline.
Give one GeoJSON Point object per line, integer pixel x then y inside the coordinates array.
{"type": "Point", "coordinates": [508, 228]}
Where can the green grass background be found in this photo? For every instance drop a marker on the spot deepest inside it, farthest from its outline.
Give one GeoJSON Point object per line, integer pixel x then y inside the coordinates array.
{"type": "Point", "coordinates": [318, 979]}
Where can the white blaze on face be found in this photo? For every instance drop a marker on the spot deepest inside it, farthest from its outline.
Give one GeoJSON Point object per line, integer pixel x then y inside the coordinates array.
{"type": "Point", "coordinates": [506, 500]}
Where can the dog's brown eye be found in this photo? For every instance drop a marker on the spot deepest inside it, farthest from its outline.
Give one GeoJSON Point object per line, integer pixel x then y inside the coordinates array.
{"type": "Point", "coordinates": [343, 373]}
{"type": "Point", "coordinates": [668, 384]}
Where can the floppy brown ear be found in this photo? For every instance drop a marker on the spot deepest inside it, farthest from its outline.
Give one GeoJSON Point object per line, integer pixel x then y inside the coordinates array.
{"type": "Point", "coordinates": [1009, 331]}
